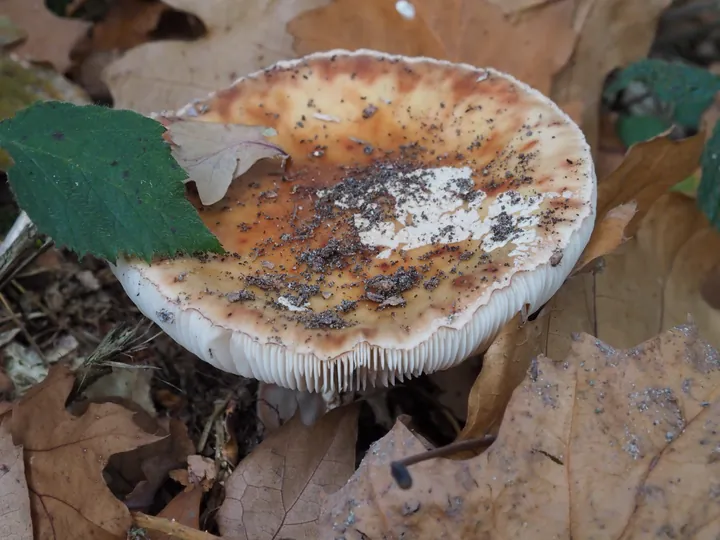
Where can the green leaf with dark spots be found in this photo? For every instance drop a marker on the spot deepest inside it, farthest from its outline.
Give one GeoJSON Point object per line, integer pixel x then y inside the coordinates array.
{"type": "Point", "coordinates": [635, 129]}
{"type": "Point", "coordinates": [689, 90]}
{"type": "Point", "coordinates": [708, 193]}
{"type": "Point", "coordinates": [102, 181]}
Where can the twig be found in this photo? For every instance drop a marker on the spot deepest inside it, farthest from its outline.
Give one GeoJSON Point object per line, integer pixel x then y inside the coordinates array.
{"type": "Point", "coordinates": [219, 407]}
{"type": "Point", "coordinates": [19, 239]}
{"type": "Point", "coordinates": [47, 244]}
{"type": "Point", "coordinates": [173, 528]}
{"type": "Point", "coordinates": [399, 468]}
{"type": "Point", "coordinates": [16, 320]}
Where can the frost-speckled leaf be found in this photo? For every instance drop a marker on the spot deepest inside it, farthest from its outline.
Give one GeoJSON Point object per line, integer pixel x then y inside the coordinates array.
{"type": "Point", "coordinates": [213, 154]}
{"type": "Point", "coordinates": [102, 181]}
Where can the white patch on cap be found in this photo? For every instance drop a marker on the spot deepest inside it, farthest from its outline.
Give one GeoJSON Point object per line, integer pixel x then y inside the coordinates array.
{"type": "Point", "coordinates": [438, 211]}
{"type": "Point", "coordinates": [286, 303]}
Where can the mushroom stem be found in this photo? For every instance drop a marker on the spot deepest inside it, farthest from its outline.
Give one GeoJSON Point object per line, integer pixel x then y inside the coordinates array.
{"type": "Point", "coordinates": [399, 469]}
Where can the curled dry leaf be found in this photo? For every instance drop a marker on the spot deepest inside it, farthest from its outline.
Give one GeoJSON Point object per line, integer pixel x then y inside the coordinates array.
{"type": "Point", "coordinates": [609, 443]}
{"type": "Point", "coordinates": [648, 171]}
{"type": "Point", "coordinates": [608, 234]}
{"type": "Point", "coordinates": [72, 501]}
{"type": "Point", "coordinates": [509, 357]}
{"type": "Point", "coordinates": [277, 491]}
{"type": "Point", "coordinates": [214, 154]}
{"type": "Point", "coordinates": [42, 45]}
{"type": "Point", "coordinates": [15, 519]}
{"type": "Point", "coordinates": [504, 366]}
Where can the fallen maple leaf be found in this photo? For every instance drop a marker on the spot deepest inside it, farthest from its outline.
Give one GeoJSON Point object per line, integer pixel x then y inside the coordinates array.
{"type": "Point", "coordinates": [214, 154]}
{"type": "Point", "coordinates": [276, 491]}
{"type": "Point", "coordinates": [64, 459]}
{"type": "Point", "coordinates": [608, 443]}
{"type": "Point", "coordinates": [43, 45]}
{"type": "Point", "coordinates": [15, 520]}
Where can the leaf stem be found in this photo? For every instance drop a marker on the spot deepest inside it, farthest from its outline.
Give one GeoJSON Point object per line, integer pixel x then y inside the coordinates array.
{"type": "Point", "coordinates": [399, 469]}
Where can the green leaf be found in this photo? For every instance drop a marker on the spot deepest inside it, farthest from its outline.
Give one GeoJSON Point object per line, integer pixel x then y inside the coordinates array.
{"type": "Point", "coordinates": [102, 181]}
{"type": "Point", "coordinates": [708, 193]}
{"type": "Point", "coordinates": [635, 129]}
{"type": "Point", "coordinates": [689, 90]}
{"type": "Point", "coordinates": [688, 187]}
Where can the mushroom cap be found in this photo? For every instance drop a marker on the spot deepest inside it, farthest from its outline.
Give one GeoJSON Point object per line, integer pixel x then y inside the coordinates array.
{"type": "Point", "coordinates": [425, 204]}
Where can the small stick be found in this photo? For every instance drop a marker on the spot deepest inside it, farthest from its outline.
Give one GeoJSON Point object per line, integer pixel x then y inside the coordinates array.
{"type": "Point", "coordinates": [219, 407]}
{"type": "Point", "coordinates": [173, 528]}
{"type": "Point", "coordinates": [399, 469]}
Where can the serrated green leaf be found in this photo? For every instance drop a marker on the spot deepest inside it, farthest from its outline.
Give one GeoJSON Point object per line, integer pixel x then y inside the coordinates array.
{"type": "Point", "coordinates": [688, 89]}
{"type": "Point", "coordinates": [708, 193]}
{"type": "Point", "coordinates": [102, 181]}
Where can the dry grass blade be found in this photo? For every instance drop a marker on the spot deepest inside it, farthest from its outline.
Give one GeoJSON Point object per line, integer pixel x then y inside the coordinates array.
{"type": "Point", "coordinates": [123, 339]}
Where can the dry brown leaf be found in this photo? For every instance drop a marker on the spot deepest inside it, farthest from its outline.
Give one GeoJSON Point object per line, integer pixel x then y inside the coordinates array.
{"type": "Point", "coordinates": [15, 519]}
{"type": "Point", "coordinates": [649, 170]}
{"type": "Point", "coordinates": [656, 280]}
{"type": "Point", "coordinates": [541, 39]}
{"type": "Point", "coordinates": [242, 36]}
{"type": "Point", "coordinates": [202, 471]}
{"type": "Point", "coordinates": [64, 459]}
{"type": "Point", "coordinates": [710, 289]}
{"type": "Point", "coordinates": [214, 154]}
{"type": "Point", "coordinates": [572, 309]}
{"type": "Point", "coordinates": [184, 508]}
{"type": "Point", "coordinates": [50, 38]}
{"type": "Point", "coordinates": [504, 366]}
{"type": "Point", "coordinates": [607, 444]}
{"type": "Point", "coordinates": [277, 491]}
{"type": "Point", "coordinates": [608, 234]}
{"type": "Point", "coordinates": [127, 24]}
{"type": "Point", "coordinates": [147, 468]}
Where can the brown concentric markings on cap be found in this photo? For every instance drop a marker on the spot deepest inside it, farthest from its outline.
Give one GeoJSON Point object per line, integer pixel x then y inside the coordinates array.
{"type": "Point", "coordinates": [347, 245]}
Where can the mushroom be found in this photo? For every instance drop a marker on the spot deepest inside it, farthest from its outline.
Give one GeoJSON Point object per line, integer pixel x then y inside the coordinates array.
{"type": "Point", "coordinates": [425, 204]}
